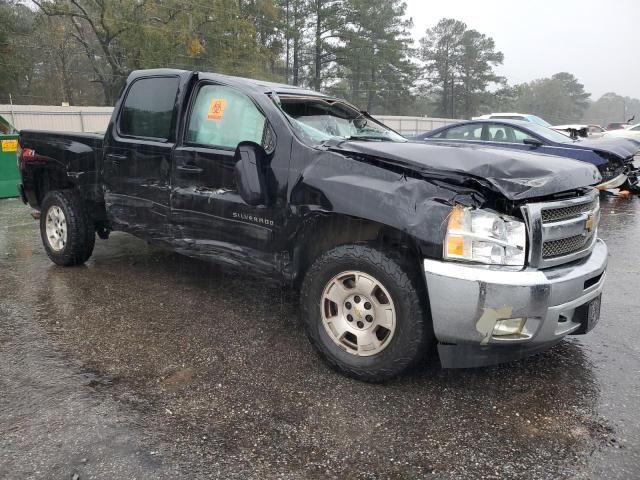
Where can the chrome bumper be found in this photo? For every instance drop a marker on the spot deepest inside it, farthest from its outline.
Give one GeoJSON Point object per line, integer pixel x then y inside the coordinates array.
{"type": "Point", "coordinates": [467, 301]}
{"type": "Point", "coordinates": [613, 183]}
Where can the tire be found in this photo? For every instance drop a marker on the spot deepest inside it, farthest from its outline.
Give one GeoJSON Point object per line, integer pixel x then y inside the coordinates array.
{"type": "Point", "coordinates": [411, 336]}
{"type": "Point", "coordinates": [71, 235]}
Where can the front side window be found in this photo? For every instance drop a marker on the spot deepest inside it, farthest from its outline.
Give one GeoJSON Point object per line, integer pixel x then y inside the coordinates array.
{"type": "Point", "coordinates": [148, 108]}
{"type": "Point", "coordinates": [520, 136]}
{"type": "Point", "coordinates": [498, 133]}
{"type": "Point", "coordinates": [223, 117]}
{"type": "Point", "coordinates": [507, 134]}
{"type": "Point", "coordinates": [463, 132]}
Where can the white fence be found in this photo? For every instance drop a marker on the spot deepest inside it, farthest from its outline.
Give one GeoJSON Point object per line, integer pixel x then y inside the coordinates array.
{"type": "Point", "coordinates": [60, 119]}
{"type": "Point", "coordinates": [413, 125]}
{"type": "Point", "coordinates": [96, 119]}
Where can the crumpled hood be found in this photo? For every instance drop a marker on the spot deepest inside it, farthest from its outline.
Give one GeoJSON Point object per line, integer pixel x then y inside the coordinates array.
{"type": "Point", "coordinates": [621, 147]}
{"type": "Point", "coordinates": [515, 174]}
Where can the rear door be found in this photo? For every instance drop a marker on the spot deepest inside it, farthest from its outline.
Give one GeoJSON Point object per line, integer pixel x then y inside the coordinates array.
{"type": "Point", "coordinates": [137, 155]}
{"type": "Point", "coordinates": [208, 213]}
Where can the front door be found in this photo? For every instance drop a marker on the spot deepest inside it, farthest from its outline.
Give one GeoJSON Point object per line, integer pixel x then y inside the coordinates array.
{"type": "Point", "coordinates": [137, 156]}
{"type": "Point", "coordinates": [209, 216]}
{"type": "Point", "coordinates": [502, 135]}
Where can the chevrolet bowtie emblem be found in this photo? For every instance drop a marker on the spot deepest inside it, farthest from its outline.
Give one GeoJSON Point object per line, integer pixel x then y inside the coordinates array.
{"type": "Point", "coordinates": [589, 224]}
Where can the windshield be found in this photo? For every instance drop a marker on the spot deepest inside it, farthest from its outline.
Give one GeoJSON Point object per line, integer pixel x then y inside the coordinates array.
{"type": "Point", "coordinates": [317, 120]}
{"type": "Point", "coordinates": [538, 120]}
{"type": "Point", "coordinates": [549, 133]}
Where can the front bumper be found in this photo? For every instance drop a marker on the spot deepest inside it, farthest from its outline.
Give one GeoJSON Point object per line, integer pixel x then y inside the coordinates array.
{"type": "Point", "coordinates": [615, 182]}
{"type": "Point", "coordinates": [467, 301]}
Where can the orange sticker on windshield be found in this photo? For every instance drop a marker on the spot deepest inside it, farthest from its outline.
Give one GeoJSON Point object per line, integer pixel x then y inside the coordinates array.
{"type": "Point", "coordinates": [216, 109]}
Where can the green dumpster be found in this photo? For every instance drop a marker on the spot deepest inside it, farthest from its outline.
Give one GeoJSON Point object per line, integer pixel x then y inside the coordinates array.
{"type": "Point", "coordinates": [9, 176]}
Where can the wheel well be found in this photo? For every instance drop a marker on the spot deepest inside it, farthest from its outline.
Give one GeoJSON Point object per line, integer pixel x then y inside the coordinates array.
{"type": "Point", "coordinates": [48, 180]}
{"type": "Point", "coordinates": [326, 232]}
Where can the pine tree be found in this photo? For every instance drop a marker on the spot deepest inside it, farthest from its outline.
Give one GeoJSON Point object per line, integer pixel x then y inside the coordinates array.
{"type": "Point", "coordinates": [441, 50]}
{"type": "Point", "coordinates": [373, 65]}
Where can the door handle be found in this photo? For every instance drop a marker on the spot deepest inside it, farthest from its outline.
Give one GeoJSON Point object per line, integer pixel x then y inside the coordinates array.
{"type": "Point", "coordinates": [190, 169]}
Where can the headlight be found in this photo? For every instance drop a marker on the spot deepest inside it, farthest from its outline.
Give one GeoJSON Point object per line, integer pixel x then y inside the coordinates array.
{"type": "Point", "coordinates": [485, 237]}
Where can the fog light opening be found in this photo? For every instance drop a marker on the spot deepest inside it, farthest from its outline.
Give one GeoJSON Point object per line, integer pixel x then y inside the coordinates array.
{"type": "Point", "coordinates": [510, 326]}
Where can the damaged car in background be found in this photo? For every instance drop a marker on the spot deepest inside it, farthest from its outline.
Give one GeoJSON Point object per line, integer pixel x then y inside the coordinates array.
{"type": "Point", "coordinates": [577, 131]}
{"type": "Point", "coordinates": [396, 247]}
{"type": "Point", "coordinates": [631, 133]}
{"type": "Point", "coordinates": [612, 156]}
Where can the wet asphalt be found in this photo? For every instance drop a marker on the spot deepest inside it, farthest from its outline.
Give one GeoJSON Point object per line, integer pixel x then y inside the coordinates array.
{"type": "Point", "coordinates": [143, 364]}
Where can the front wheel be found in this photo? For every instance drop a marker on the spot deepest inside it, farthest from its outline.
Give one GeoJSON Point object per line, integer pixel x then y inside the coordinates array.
{"type": "Point", "coordinates": [67, 232]}
{"type": "Point", "coordinates": [365, 313]}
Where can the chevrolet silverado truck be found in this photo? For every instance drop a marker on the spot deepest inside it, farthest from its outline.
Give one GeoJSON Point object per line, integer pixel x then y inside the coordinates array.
{"type": "Point", "coordinates": [395, 247]}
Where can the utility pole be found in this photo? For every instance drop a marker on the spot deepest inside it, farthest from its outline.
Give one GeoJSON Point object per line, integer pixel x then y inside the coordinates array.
{"type": "Point", "coordinates": [13, 119]}
{"type": "Point", "coordinates": [296, 44]}
{"type": "Point", "coordinates": [287, 33]}
{"type": "Point", "coordinates": [318, 46]}
{"type": "Point", "coordinates": [453, 83]}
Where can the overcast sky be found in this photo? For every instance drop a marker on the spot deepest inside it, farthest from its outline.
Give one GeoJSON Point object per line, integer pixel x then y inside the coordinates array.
{"type": "Point", "coordinates": [596, 40]}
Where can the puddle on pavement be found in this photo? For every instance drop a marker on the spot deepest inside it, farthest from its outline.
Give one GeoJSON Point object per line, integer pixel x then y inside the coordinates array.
{"type": "Point", "coordinates": [219, 363]}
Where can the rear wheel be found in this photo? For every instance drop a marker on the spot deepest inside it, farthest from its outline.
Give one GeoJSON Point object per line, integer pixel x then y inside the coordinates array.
{"type": "Point", "coordinates": [365, 312]}
{"type": "Point", "coordinates": [67, 232]}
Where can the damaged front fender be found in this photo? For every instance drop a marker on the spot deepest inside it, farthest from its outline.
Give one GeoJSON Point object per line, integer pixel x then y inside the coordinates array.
{"type": "Point", "coordinates": [394, 197]}
{"type": "Point", "coordinates": [516, 175]}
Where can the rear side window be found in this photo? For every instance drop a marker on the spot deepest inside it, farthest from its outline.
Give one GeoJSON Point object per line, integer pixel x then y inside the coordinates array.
{"type": "Point", "coordinates": [148, 108]}
{"type": "Point", "coordinates": [224, 117]}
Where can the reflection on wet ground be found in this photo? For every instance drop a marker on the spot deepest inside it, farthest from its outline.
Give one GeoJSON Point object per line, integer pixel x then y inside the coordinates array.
{"type": "Point", "coordinates": [147, 364]}
{"type": "Point", "coordinates": [614, 348]}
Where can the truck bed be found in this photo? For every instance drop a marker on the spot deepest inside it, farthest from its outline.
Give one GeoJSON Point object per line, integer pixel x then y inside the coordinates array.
{"type": "Point", "coordinates": [63, 156]}
{"type": "Point", "coordinates": [39, 138]}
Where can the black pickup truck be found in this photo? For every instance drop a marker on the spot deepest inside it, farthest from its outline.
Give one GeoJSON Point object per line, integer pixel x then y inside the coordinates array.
{"type": "Point", "coordinates": [395, 246]}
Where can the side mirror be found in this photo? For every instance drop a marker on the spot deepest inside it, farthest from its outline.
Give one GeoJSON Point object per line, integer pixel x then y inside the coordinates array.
{"type": "Point", "coordinates": [533, 142]}
{"type": "Point", "coordinates": [250, 161]}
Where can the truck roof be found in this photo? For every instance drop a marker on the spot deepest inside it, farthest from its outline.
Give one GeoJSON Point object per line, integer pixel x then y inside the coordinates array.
{"type": "Point", "coordinates": [257, 86]}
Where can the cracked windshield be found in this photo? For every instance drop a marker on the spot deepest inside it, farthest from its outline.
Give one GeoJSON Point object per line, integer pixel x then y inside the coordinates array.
{"type": "Point", "coordinates": [319, 239]}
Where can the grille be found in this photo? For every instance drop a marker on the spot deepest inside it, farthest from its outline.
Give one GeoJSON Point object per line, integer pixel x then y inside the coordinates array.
{"type": "Point", "coordinates": [553, 243]}
{"type": "Point", "coordinates": [565, 246]}
{"type": "Point", "coordinates": [564, 213]}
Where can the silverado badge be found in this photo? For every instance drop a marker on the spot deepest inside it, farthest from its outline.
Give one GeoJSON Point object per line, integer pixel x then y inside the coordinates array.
{"type": "Point", "coordinates": [588, 225]}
